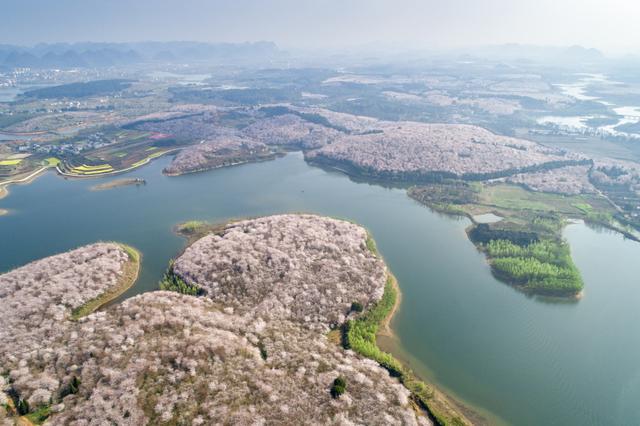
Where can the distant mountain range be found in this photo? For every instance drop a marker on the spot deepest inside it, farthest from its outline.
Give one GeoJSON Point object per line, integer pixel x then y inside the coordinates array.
{"type": "Point", "coordinates": [549, 54]}
{"type": "Point", "coordinates": [94, 55]}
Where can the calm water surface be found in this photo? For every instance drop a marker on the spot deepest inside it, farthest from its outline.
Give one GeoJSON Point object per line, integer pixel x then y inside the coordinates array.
{"type": "Point", "coordinates": [525, 361]}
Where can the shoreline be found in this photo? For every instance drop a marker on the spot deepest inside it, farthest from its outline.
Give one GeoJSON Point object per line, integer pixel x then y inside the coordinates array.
{"type": "Point", "coordinates": [115, 172]}
{"type": "Point", "coordinates": [130, 274]}
{"type": "Point", "coordinates": [438, 406]}
{"type": "Point", "coordinates": [27, 179]}
{"type": "Point", "coordinates": [478, 415]}
{"type": "Point", "coordinates": [418, 177]}
{"type": "Point", "coordinates": [520, 287]}
{"type": "Point", "coordinates": [385, 329]}
{"type": "Point", "coordinates": [389, 342]}
{"type": "Point", "coordinates": [270, 157]}
{"type": "Point", "coordinates": [4, 186]}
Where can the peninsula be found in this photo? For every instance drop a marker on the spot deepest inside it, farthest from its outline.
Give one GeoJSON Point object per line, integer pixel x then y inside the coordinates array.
{"type": "Point", "coordinates": [256, 345]}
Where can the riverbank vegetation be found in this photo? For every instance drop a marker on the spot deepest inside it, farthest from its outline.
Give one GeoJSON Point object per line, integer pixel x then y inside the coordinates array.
{"type": "Point", "coordinates": [525, 248]}
{"type": "Point", "coordinates": [360, 335]}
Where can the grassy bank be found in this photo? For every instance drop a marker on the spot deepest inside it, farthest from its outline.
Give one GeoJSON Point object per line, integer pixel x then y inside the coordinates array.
{"type": "Point", "coordinates": [128, 278]}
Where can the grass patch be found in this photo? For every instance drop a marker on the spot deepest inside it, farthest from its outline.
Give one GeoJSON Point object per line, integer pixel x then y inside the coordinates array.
{"type": "Point", "coordinates": [52, 161]}
{"type": "Point", "coordinates": [193, 230]}
{"type": "Point", "coordinates": [191, 227]}
{"type": "Point", "coordinates": [129, 276]}
{"type": "Point", "coordinates": [515, 198]}
{"type": "Point", "coordinates": [583, 207]}
{"type": "Point", "coordinates": [39, 416]}
{"type": "Point", "coordinates": [148, 158]}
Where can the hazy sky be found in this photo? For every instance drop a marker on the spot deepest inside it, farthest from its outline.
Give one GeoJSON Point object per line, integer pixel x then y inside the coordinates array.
{"type": "Point", "coordinates": [609, 25]}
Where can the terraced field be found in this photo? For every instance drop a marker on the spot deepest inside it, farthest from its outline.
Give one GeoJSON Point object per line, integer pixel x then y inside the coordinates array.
{"type": "Point", "coordinates": [91, 170]}
{"type": "Point", "coordinates": [85, 170]}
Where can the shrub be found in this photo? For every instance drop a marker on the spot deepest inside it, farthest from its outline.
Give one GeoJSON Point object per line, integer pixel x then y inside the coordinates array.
{"type": "Point", "coordinates": [40, 415]}
{"type": "Point", "coordinates": [172, 282]}
{"type": "Point", "coordinates": [72, 388]}
{"type": "Point", "coordinates": [263, 350]}
{"type": "Point", "coordinates": [339, 387]}
{"type": "Point", "coordinates": [357, 307]}
{"type": "Point", "coordinates": [22, 406]}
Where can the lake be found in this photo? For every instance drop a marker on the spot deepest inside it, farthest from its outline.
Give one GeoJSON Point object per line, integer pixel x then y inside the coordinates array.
{"type": "Point", "coordinates": [516, 359]}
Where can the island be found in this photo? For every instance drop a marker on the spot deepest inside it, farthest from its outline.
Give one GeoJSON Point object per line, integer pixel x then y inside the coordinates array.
{"type": "Point", "coordinates": [117, 183]}
{"type": "Point", "coordinates": [266, 320]}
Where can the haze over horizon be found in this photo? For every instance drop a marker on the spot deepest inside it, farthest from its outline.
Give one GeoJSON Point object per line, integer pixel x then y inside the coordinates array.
{"type": "Point", "coordinates": [329, 24]}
